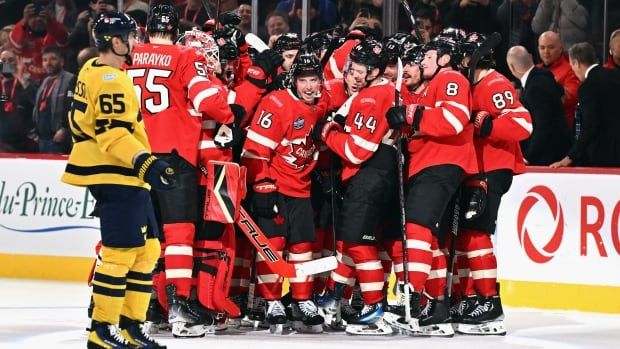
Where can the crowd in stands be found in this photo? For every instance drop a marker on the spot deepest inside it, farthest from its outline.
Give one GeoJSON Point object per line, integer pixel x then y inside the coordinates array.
{"type": "Point", "coordinates": [44, 42]}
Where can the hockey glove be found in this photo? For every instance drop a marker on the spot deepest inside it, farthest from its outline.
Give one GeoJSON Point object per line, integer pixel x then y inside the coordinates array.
{"type": "Point", "coordinates": [483, 124]}
{"type": "Point", "coordinates": [269, 61]}
{"type": "Point", "coordinates": [230, 18]}
{"type": "Point", "coordinates": [474, 198]}
{"type": "Point", "coordinates": [156, 172]}
{"type": "Point", "coordinates": [264, 199]}
{"type": "Point", "coordinates": [227, 136]}
{"type": "Point", "coordinates": [324, 128]}
{"type": "Point", "coordinates": [401, 116]}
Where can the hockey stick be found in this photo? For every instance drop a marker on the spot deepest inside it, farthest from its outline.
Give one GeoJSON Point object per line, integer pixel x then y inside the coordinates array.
{"type": "Point", "coordinates": [487, 46]}
{"type": "Point", "coordinates": [412, 19]}
{"type": "Point", "coordinates": [401, 195]}
{"type": "Point", "coordinates": [256, 42]}
{"type": "Point", "coordinates": [452, 256]}
{"type": "Point", "coordinates": [275, 262]}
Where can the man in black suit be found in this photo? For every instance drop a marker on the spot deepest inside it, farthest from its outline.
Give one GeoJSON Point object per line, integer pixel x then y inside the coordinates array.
{"type": "Point", "coordinates": [598, 143]}
{"type": "Point", "coordinates": [542, 97]}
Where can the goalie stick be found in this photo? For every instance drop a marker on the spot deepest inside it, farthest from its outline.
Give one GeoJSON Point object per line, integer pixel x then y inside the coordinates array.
{"type": "Point", "coordinates": [275, 262]}
{"type": "Point", "coordinates": [256, 42]}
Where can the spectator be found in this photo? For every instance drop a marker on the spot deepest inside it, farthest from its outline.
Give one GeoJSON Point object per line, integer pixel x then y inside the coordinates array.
{"type": "Point", "coordinates": [133, 5]}
{"type": "Point", "coordinates": [568, 18]}
{"type": "Point", "coordinates": [553, 58]}
{"type": "Point", "coordinates": [316, 22]}
{"type": "Point", "coordinates": [51, 107]}
{"type": "Point", "coordinates": [474, 15]}
{"type": "Point", "coordinates": [425, 19]}
{"type": "Point", "coordinates": [36, 30]}
{"type": "Point", "coordinates": [276, 24]}
{"type": "Point", "coordinates": [4, 37]}
{"type": "Point", "coordinates": [64, 11]}
{"type": "Point", "coordinates": [191, 13]}
{"type": "Point", "coordinates": [245, 13]}
{"type": "Point", "coordinates": [613, 61]}
{"type": "Point", "coordinates": [598, 143]}
{"type": "Point", "coordinates": [542, 97]}
{"type": "Point", "coordinates": [80, 37]}
{"type": "Point", "coordinates": [515, 18]}
{"type": "Point", "coordinates": [16, 102]}
{"type": "Point", "coordinates": [327, 11]}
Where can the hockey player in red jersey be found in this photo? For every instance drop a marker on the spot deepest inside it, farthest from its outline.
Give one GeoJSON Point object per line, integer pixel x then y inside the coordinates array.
{"type": "Point", "coordinates": [441, 154]}
{"type": "Point", "coordinates": [175, 93]}
{"type": "Point", "coordinates": [414, 84]}
{"type": "Point", "coordinates": [287, 45]}
{"type": "Point", "coordinates": [280, 154]}
{"type": "Point", "coordinates": [500, 123]}
{"type": "Point", "coordinates": [369, 176]}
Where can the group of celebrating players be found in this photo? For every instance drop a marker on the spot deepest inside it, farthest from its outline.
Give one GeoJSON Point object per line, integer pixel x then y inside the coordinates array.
{"type": "Point", "coordinates": [316, 126]}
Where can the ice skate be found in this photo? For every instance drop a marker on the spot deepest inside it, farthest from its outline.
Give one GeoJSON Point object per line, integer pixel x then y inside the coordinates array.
{"type": "Point", "coordinates": [106, 336]}
{"type": "Point", "coordinates": [241, 300]}
{"type": "Point", "coordinates": [156, 319]}
{"type": "Point", "coordinates": [459, 308]}
{"type": "Point", "coordinates": [306, 317]}
{"type": "Point", "coordinates": [395, 315]}
{"type": "Point", "coordinates": [135, 333]}
{"type": "Point", "coordinates": [485, 319]}
{"type": "Point", "coordinates": [184, 321]}
{"type": "Point", "coordinates": [332, 308]}
{"type": "Point", "coordinates": [369, 322]}
{"type": "Point", "coordinates": [435, 320]}
{"type": "Point", "coordinates": [275, 316]}
{"type": "Point", "coordinates": [256, 312]}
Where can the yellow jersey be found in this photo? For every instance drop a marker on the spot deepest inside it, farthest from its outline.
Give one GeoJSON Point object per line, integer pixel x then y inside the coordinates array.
{"type": "Point", "coordinates": [107, 128]}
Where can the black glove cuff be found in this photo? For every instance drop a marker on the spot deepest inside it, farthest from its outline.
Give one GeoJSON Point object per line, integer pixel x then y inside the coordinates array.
{"type": "Point", "coordinates": [417, 118]}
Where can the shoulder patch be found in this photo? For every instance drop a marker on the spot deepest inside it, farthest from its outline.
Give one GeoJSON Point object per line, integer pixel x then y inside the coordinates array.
{"type": "Point", "coordinates": [276, 100]}
{"type": "Point", "coordinates": [108, 77]}
{"type": "Point", "coordinates": [368, 100]}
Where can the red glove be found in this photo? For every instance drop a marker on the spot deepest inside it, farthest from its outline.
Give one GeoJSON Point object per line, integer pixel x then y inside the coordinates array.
{"type": "Point", "coordinates": [329, 127]}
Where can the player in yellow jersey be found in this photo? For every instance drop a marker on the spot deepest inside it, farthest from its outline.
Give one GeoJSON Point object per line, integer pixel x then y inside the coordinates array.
{"type": "Point", "coordinates": [112, 157]}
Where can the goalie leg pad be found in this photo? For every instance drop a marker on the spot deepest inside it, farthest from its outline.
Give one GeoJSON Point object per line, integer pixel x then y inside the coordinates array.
{"type": "Point", "coordinates": [215, 271]}
{"type": "Point", "coordinates": [225, 190]}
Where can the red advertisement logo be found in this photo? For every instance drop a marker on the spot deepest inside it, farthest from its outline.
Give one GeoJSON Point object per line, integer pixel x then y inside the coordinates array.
{"type": "Point", "coordinates": [535, 195]}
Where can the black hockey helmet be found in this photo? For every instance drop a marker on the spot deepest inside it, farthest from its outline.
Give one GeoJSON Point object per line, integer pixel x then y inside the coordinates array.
{"type": "Point", "coordinates": [394, 46]}
{"type": "Point", "coordinates": [286, 42]}
{"type": "Point", "coordinates": [306, 63]}
{"type": "Point", "coordinates": [456, 34]}
{"type": "Point", "coordinates": [112, 24]}
{"type": "Point", "coordinates": [371, 54]}
{"type": "Point", "coordinates": [318, 41]}
{"type": "Point", "coordinates": [414, 55]}
{"type": "Point", "coordinates": [471, 43]}
{"type": "Point", "coordinates": [446, 46]}
{"type": "Point", "coordinates": [163, 19]}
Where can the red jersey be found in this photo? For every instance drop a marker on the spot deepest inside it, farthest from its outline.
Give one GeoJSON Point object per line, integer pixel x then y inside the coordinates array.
{"type": "Point", "coordinates": [335, 64]}
{"type": "Point", "coordinates": [512, 123]}
{"type": "Point", "coordinates": [411, 97]}
{"type": "Point", "coordinates": [565, 77]}
{"type": "Point", "coordinates": [366, 127]}
{"type": "Point", "coordinates": [337, 93]}
{"type": "Point", "coordinates": [446, 133]}
{"type": "Point", "coordinates": [279, 142]}
{"type": "Point", "coordinates": [171, 82]}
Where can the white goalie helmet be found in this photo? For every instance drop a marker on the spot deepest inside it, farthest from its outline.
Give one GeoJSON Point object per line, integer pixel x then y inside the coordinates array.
{"type": "Point", "coordinates": [203, 43]}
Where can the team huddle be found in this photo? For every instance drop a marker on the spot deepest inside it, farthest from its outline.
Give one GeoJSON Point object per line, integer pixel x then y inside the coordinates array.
{"type": "Point", "coordinates": [391, 156]}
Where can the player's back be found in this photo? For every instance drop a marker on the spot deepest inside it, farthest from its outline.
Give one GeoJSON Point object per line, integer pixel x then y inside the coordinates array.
{"type": "Point", "coordinates": [161, 76]}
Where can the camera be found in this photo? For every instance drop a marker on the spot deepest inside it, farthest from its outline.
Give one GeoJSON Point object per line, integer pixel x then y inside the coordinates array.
{"type": "Point", "coordinates": [7, 68]}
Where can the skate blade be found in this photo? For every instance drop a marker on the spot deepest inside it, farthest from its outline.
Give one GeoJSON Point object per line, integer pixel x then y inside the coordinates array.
{"type": "Point", "coordinates": [276, 329]}
{"type": "Point", "coordinates": [380, 328]}
{"type": "Point", "coordinates": [302, 328]}
{"type": "Point", "coordinates": [180, 330]}
{"type": "Point", "coordinates": [401, 326]}
{"type": "Point", "coordinates": [437, 330]}
{"type": "Point", "coordinates": [494, 328]}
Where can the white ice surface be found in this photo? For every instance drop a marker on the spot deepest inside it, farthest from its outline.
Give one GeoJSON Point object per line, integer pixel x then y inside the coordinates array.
{"type": "Point", "coordinates": [38, 314]}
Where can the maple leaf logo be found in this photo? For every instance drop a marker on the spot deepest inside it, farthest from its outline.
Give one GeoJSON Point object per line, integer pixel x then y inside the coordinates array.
{"type": "Point", "coordinates": [302, 152]}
